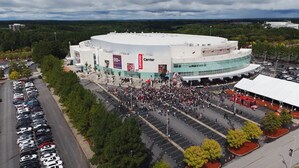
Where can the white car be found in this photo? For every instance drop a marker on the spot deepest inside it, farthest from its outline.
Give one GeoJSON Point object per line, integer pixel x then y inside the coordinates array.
{"type": "Point", "coordinates": [51, 159]}
{"type": "Point", "coordinates": [23, 129]}
{"type": "Point", "coordinates": [284, 72]}
{"type": "Point", "coordinates": [47, 156]}
{"type": "Point", "coordinates": [37, 114]}
{"type": "Point", "coordinates": [47, 147]}
{"type": "Point", "coordinates": [39, 125]}
{"type": "Point", "coordinates": [52, 163]}
{"type": "Point", "coordinates": [22, 139]}
{"type": "Point", "coordinates": [28, 157]}
{"type": "Point", "coordinates": [289, 78]}
{"type": "Point", "coordinates": [19, 106]}
{"type": "Point", "coordinates": [29, 145]}
{"type": "Point", "coordinates": [26, 143]}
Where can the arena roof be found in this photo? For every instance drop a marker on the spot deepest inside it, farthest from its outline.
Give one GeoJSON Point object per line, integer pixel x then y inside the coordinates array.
{"type": "Point", "coordinates": [160, 39]}
{"type": "Point", "coordinates": [277, 89]}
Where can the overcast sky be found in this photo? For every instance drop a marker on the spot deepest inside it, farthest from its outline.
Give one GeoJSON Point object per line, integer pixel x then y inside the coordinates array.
{"type": "Point", "coordinates": [146, 9]}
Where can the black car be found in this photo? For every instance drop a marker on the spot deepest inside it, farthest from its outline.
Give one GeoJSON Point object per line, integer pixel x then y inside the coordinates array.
{"type": "Point", "coordinates": [36, 109]}
{"type": "Point", "coordinates": [37, 117]}
{"type": "Point", "coordinates": [44, 138]}
{"type": "Point", "coordinates": [29, 152]}
{"type": "Point", "coordinates": [22, 124]}
{"type": "Point", "coordinates": [48, 151]}
{"type": "Point", "coordinates": [28, 149]}
{"type": "Point", "coordinates": [29, 162]}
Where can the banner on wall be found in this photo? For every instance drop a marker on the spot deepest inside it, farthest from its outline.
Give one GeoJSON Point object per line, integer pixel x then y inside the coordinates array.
{"type": "Point", "coordinates": [77, 57]}
{"type": "Point", "coordinates": [117, 62]}
{"type": "Point", "coordinates": [130, 67]}
{"type": "Point", "coordinates": [140, 61]}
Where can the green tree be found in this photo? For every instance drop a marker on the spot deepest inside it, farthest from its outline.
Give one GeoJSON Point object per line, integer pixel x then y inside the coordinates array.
{"type": "Point", "coordinates": [213, 149]}
{"type": "Point", "coordinates": [252, 130]}
{"type": "Point", "coordinates": [270, 122]}
{"type": "Point", "coordinates": [14, 75]}
{"type": "Point", "coordinates": [1, 73]}
{"type": "Point", "coordinates": [195, 156]}
{"type": "Point", "coordinates": [236, 138]}
{"type": "Point", "coordinates": [45, 48]}
{"type": "Point", "coordinates": [13, 66]}
{"type": "Point", "coordinates": [124, 147]}
{"type": "Point", "coordinates": [285, 117]}
{"type": "Point", "coordinates": [161, 164]}
{"type": "Point", "coordinates": [24, 70]}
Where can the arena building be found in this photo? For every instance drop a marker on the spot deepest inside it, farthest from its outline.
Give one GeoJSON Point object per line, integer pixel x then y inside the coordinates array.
{"type": "Point", "coordinates": [148, 55]}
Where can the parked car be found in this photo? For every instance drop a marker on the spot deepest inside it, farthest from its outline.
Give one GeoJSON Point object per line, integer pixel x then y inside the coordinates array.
{"type": "Point", "coordinates": [47, 155]}
{"type": "Point", "coordinates": [28, 157]}
{"type": "Point", "coordinates": [47, 147]}
{"type": "Point", "coordinates": [53, 162]}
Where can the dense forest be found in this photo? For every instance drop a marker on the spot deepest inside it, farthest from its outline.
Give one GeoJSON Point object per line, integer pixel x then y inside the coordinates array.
{"type": "Point", "coordinates": [57, 35]}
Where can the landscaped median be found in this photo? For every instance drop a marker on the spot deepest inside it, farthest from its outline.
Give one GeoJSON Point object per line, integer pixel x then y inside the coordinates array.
{"type": "Point", "coordinates": [243, 141]}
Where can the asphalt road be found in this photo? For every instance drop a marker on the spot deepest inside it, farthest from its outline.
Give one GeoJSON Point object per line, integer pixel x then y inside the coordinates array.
{"type": "Point", "coordinates": [67, 145]}
{"type": "Point", "coordinates": [9, 155]}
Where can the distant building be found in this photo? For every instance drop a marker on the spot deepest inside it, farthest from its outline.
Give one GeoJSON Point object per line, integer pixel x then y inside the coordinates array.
{"type": "Point", "coordinates": [16, 26]}
{"type": "Point", "coordinates": [287, 24]}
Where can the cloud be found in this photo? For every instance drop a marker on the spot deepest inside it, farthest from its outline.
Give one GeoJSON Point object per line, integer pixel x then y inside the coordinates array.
{"type": "Point", "coordinates": [145, 9]}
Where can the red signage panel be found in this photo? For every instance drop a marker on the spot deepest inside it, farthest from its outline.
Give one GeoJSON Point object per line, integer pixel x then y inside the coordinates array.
{"type": "Point", "coordinates": [140, 61]}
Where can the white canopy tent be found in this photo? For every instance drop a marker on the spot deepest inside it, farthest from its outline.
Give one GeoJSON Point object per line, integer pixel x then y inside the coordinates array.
{"type": "Point", "coordinates": [276, 89]}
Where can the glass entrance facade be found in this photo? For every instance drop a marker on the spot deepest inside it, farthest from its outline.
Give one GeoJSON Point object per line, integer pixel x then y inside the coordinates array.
{"type": "Point", "coordinates": [208, 68]}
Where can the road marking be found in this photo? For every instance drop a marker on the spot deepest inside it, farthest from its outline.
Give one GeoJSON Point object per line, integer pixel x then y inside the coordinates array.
{"type": "Point", "coordinates": [199, 122]}
{"type": "Point", "coordinates": [244, 118]}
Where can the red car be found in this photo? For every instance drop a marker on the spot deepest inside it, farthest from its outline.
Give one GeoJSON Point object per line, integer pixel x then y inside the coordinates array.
{"type": "Point", "coordinates": [46, 143]}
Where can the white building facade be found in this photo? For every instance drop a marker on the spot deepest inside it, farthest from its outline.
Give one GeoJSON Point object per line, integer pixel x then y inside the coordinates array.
{"type": "Point", "coordinates": [147, 55]}
{"type": "Point", "coordinates": [287, 24]}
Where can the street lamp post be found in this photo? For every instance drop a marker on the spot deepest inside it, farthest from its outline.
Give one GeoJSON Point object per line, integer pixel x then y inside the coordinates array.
{"type": "Point", "coordinates": [167, 124]}
{"type": "Point", "coordinates": [131, 101]}
{"type": "Point", "coordinates": [235, 100]}
{"type": "Point", "coordinates": [210, 30]}
{"type": "Point", "coordinates": [292, 151]}
{"type": "Point", "coordinates": [275, 68]}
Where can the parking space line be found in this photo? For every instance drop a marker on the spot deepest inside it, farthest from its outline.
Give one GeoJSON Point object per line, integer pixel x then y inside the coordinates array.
{"type": "Point", "coordinates": [199, 122]}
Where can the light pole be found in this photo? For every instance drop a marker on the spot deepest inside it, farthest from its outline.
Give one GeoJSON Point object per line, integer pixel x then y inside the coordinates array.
{"type": "Point", "coordinates": [167, 124]}
{"type": "Point", "coordinates": [235, 100]}
{"type": "Point", "coordinates": [132, 101]}
{"type": "Point", "coordinates": [55, 35]}
{"type": "Point", "coordinates": [210, 30]}
{"type": "Point", "coordinates": [293, 150]}
{"type": "Point", "coordinates": [265, 53]}
{"type": "Point", "coordinates": [275, 68]}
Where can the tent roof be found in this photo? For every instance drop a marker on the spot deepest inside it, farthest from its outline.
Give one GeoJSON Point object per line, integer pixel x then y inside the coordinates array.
{"type": "Point", "coordinates": [277, 89]}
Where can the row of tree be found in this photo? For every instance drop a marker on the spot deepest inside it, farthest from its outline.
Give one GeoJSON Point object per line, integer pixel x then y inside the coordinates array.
{"type": "Point", "coordinates": [18, 70]}
{"type": "Point", "coordinates": [210, 150]}
{"type": "Point", "coordinates": [198, 156]}
{"type": "Point", "coordinates": [277, 51]}
{"type": "Point", "coordinates": [115, 143]}
{"type": "Point", "coordinates": [23, 54]}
